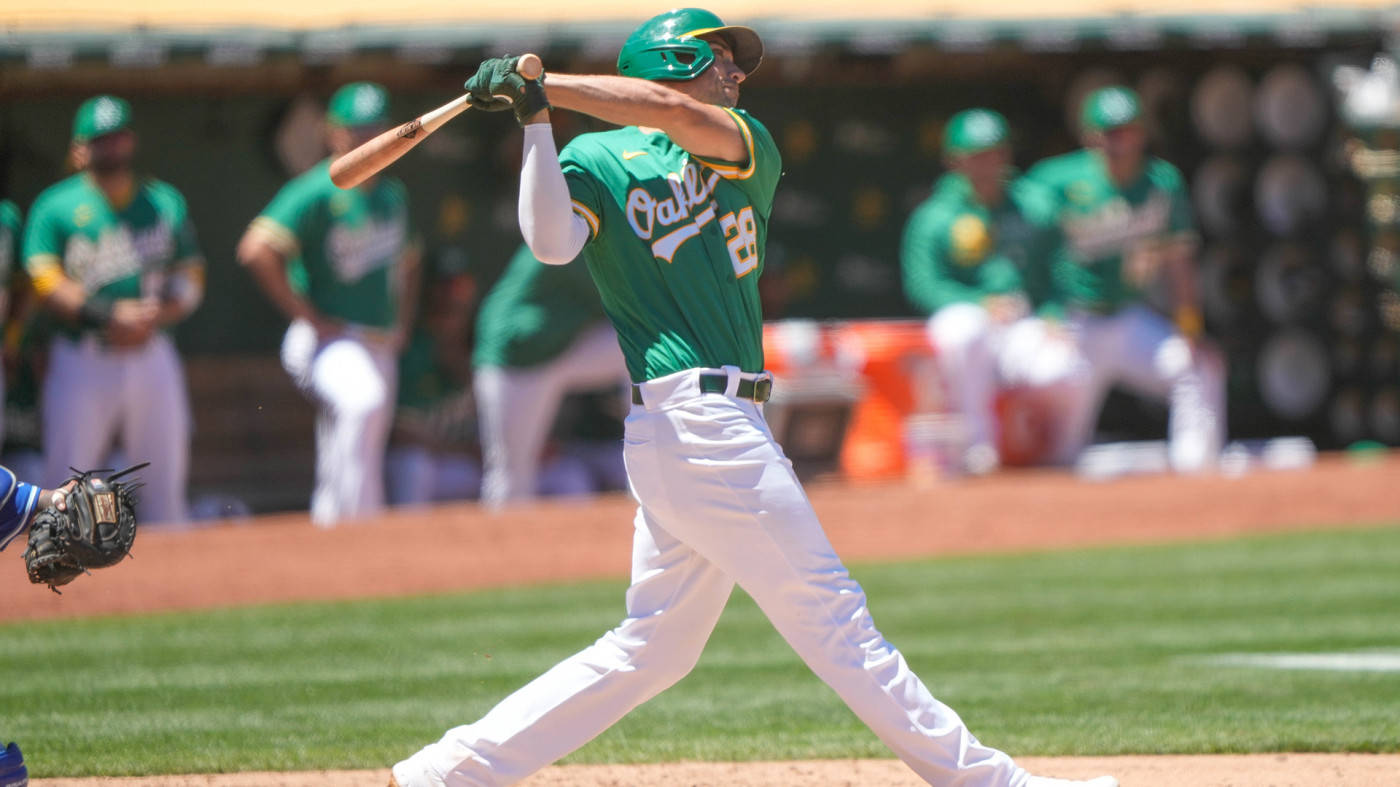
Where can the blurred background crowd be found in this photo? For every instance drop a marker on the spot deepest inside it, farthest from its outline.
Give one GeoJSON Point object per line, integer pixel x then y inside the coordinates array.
{"type": "Point", "coordinates": [1281, 117]}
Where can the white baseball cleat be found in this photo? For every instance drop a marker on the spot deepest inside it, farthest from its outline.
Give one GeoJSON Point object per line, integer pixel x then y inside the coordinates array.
{"type": "Point", "coordinates": [1046, 781]}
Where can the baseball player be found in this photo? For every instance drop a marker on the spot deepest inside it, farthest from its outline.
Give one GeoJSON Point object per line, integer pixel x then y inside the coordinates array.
{"type": "Point", "coordinates": [965, 255]}
{"type": "Point", "coordinates": [114, 256]}
{"type": "Point", "coordinates": [1126, 220]}
{"type": "Point", "coordinates": [670, 214]}
{"type": "Point", "coordinates": [355, 273]}
{"type": "Point", "coordinates": [541, 332]}
{"type": "Point", "coordinates": [11, 232]}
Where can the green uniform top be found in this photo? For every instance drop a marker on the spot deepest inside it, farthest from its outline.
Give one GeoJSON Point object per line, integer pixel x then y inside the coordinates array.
{"type": "Point", "coordinates": [343, 246]}
{"type": "Point", "coordinates": [957, 250]}
{"type": "Point", "coordinates": [1102, 223]}
{"type": "Point", "coordinates": [114, 252]}
{"type": "Point", "coordinates": [534, 312]}
{"type": "Point", "coordinates": [10, 225]}
{"type": "Point", "coordinates": [676, 244]}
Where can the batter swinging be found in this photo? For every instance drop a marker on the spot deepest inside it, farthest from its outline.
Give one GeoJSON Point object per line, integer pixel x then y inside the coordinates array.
{"type": "Point", "coordinates": [671, 214]}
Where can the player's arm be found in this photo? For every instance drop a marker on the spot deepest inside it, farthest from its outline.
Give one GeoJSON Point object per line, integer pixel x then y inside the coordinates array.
{"type": "Point", "coordinates": [123, 321]}
{"type": "Point", "coordinates": [702, 129]}
{"type": "Point", "coordinates": [264, 250]}
{"type": "Point", "coordinates": [923, 262]}
{"type": "Point", "coordinates": [183, 289]}
{"type": "Point", "coordinates": [19, 501]}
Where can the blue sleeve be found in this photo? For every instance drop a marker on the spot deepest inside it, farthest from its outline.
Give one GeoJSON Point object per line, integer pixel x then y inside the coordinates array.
{"type": "Point", "coordinates": [19, 501]}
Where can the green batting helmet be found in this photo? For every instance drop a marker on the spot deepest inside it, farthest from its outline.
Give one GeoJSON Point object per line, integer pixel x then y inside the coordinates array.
{"type": "Point", "coordinates": [100, 115]}
{"type": "Point", "coordinates": [973, 131]}
{"type": "Point", "coordinates": [668, 46]}
{"type": "Point", "coordinates": [1110, 107]}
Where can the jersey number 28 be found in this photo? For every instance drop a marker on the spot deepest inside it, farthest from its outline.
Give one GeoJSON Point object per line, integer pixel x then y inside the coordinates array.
{"type": "Point", "coordinates": [741, 236]}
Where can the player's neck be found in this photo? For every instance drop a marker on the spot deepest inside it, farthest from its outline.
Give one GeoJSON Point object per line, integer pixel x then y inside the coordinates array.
{"type": "Point", "coordinates": [118, 187]}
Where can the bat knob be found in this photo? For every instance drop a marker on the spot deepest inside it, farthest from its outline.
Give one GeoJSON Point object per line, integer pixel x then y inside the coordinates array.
{"type": "Point", "coordinates": [529, 66]}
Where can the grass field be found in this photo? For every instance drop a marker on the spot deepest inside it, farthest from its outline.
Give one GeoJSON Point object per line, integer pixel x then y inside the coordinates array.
{"type": "Point", "coordinates": [1094, 652]}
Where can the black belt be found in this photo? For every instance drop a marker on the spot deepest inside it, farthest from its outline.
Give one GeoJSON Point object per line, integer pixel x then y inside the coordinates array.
{"type": "Point", "coordinates": [755, 390]}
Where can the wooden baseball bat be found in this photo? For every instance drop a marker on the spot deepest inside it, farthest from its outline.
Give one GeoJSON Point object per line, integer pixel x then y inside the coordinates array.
{"type": "Point", "coordinates": [358, 165]}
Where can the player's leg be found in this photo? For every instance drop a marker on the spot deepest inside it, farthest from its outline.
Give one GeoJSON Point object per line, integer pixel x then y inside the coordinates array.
{"type": "Point", "coordinates": [351, 390]}
{"type": "Point", "coordinates": [721, 484]}
{"type": "Point", "coordinates": [515, 411]}
{"type": "Point", "coordinates": [156, 428]}
{"type": "Point", "coordinates": [961, 335]}
{"type": "Point", "coordinates": [80, 407]}
{"type": "Point", "coordinates": [1157, 361]}
{"type": "Point", "coordinates": [1045, 358]}
{"type": "Point", "coordinates": [673, 604]}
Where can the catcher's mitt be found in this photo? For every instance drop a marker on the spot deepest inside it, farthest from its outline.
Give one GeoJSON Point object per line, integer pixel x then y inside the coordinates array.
{"type": "Point", "coordinates": [96, 529]}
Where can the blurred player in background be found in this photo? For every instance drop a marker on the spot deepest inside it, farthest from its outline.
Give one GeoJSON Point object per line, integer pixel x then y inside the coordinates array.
{"type": "Point", "coordinates": [966, 254]}
{"type": "Point", "coordinates": [431, 448]}
{"type": "Point", "coordinates": [1126, 221]}
{"type": "Point", "coordinates": [11, 231]}
{"type": "Point", "coordinates": [540, 334]}
{"type": "Point", "coordinates": [114, 256]}
{"type": "Point", "coordinates": [340, 265]}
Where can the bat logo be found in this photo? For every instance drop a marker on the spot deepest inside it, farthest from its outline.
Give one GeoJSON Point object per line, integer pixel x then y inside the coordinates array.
{"type": "Point", "coordinates": [410, 130]}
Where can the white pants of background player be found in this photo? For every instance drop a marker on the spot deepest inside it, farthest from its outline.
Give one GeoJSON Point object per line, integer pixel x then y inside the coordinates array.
{"type": "Point", "coordinates": [718, 505]}
{"type": "Point", "coordinates": [352, 378]}
{"type": "Point", "coordinates": [93, 395]}
{"type": "Point", "coordinates": [1141, 349]}
{"type": "Point", "coordinates": [977, 355]}
{"type": "Point", "coordinates": [516, 409]}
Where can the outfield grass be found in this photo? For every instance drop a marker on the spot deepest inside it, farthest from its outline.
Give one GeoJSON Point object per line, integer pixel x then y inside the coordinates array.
{"type": "Point", "coordinates": [1093, 652]}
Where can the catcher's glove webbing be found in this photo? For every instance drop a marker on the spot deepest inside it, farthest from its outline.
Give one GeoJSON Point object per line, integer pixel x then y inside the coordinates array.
{"type": "Point", "coordinates": [96, 529]}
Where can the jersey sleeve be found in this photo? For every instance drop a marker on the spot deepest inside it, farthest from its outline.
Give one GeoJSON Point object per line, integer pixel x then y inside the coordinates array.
{"type": "Point", "coordinates": [186, 240]}
{"type": "Point", "coordinates": [758, 174]}
{"type": "Point", "coordinates": [285, 218]}
{"type": "Point", "coordinates": [44, 237]}
{"type": "Point", "coordinates": [585, 192]}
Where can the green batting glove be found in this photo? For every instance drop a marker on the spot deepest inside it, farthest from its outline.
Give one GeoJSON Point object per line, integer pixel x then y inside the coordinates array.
{"type": "Point", "coordinates": [496, 86]}
{"type": "Point", "coordinates": [479, 86]}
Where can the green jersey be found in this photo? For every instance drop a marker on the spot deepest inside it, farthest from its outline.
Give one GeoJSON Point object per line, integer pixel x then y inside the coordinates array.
{"type": "Point", "coordinates": [343, 246]}
{"type": "Point", "coordinates": [116, 252]}
{"type": "Point", "coordinates": [10, 224]}
{"type": "Point", "coordinates": [534, 312]}
{"type": "Point", "coordinates": [676, 244]}
{"type": "Point", "coordinates": [957, 250]}
{"type": "Point", "coordinates": [1103, 224]}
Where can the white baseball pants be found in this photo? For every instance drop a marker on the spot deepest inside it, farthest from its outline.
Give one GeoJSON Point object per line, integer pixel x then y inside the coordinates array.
{"type": "Point", "coordinates": [93, 394]}
{"type": "Point", "coordinates": [352, 377]}
{"type": "Point", "coordinates": [1141, 348]}
{"type": "Point", "coordinates": [718, 504]}
{"type": "Point", "coordinates": [977, 355]}
{"type": "Point", "coordinates": [516, 409]}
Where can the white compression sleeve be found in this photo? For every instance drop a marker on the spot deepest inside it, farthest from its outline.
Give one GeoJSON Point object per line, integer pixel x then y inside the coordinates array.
{"type": "Point", "coordinates": [547, 220]}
